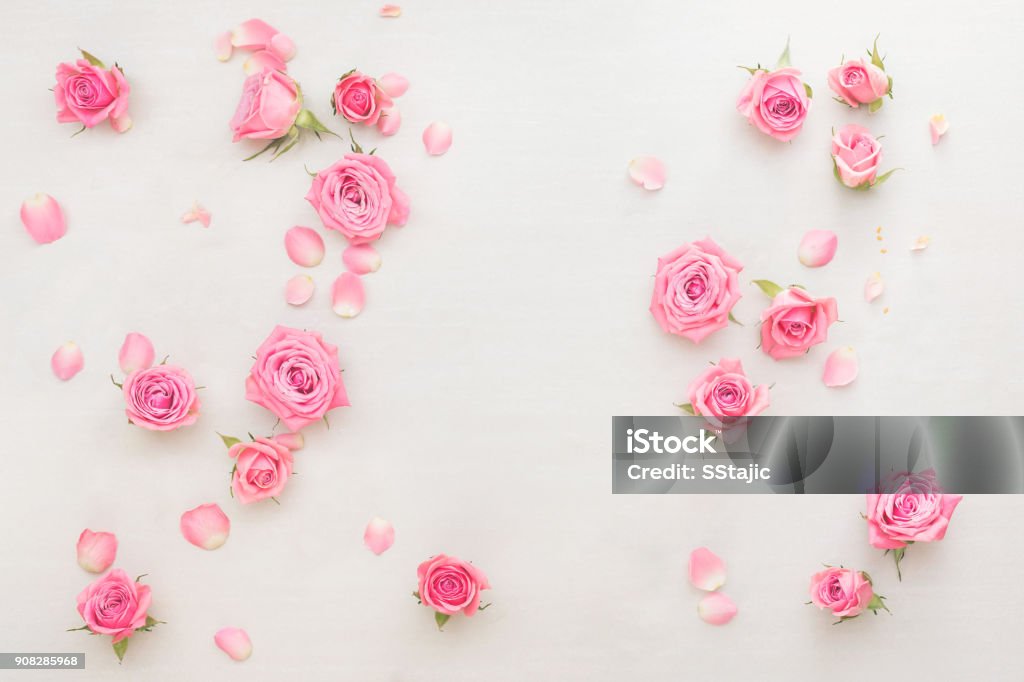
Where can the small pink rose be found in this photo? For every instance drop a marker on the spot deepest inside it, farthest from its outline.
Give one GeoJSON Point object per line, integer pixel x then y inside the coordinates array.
{"type": "Point", "coordinates": [160, 398]}
{"type": "Point", "coordinates": [450, 585]}
{"type": "Point", "coordinates": [914, 511]}
{"type": "Point", "coordinates": [858, 81]}
{"type": "Point", "coordinates": [723, 393]}
{"type": "Point", "coordinates": [89, 93]}
{"type": "Point", "coordinates": [775, 102]}
{"type": "Point", "coordinates": [844, 592]}
{"type": "Point", "coordinates": [856, 155]}
{"type": "Point", "coordinates": [114, 605]}
{"type": "Point", "coordinates": [262, 468]}
{"type": "Point", "coordinates": [234, 642]}
{"type": "Point", "coordinates": [96, 551]}
{"type": "Point", "coordinates": [358, 98]}
{"type": "Point", "coordinates": [794, 322]}
{"type": "Point", "coordinates": [136, 353]}
{"type": "Point", "coordinates": [67, 361]}
{"type": "Point", "coordinates": [268, 108]}
{"type": "Point", "coordinates": [43, 218]}
{"type": "Point", "coordinates": [206, 526]}
{"type": "Point", "coordinates": [379, 535]}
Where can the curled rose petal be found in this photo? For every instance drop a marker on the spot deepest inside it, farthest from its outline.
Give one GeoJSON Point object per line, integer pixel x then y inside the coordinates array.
{"type": "Point", "coordinates": [707, 571]}
{"type": "Point", "coordinates": [67, 361]}
{"type": "Point", "coordinates": [206, 526]}
{"type": "Point", "coordinates": [292, 441]}
{"type": "Point", "coordinates": [840, 367]}
{"type": "Point", "coordinates": [379, 535]}
{"type": "Point", "coordinates": [361, 259]}
{"type": "Point", "coordinates": [222, 46]}
{"type": "Point", "coordinates": [921, 243]}
{"type": "Point", "coordinates": [96, 551]}
{"type": "Point", "coordinates": [347, 295]}
{"type": "Point", "coordinates": [43, 218]}
{"type": "Point", "coordinates": [648, 172]}
{"type": "Point", "coordinates": [937, 127]}
{"type": "Point", "coordinates": [254, 34]}
{"type": "Point", "coordinates": [234, 642]}
{"type": "Point", "coordinates": [817, 248]}
{"type": "Point", "coordinates": [299, 289]}
{"type": "Point", "coordinates": [304, 246]}
{"type": "Point", "coordinates": [389, 122]}
{"type": "Point", "coordinates": [197, 214]}
{"type": "Point", "coordinates": [391, 11]}
{"type": "Point", "coordinates": [136, 353]}
{"type": "Point", "coordinates": [393, 84]}
{"type": "Point", "coordinates": [437, 138]}
{"type": "Point", "coordinates": [282, 46]}
{"type": "Point", "coordinates": [263, 59]}
{"type": "Point", "coordinates": [716, 609]}
{"type": "Point", "coordinates": [873, 287]}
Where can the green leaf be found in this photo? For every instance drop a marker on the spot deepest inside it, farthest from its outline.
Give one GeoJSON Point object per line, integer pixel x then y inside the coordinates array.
{"type": "Point", "coordinates": [734, 320]}
{"type": "Point", "coordinates": [875, 59]}
{"type": "Point", "coordinates": [228, 440]}
{"type": "Point", "coordinates": [686, 407]}
{"type": "Point", "coordinates": [120, 648]}
{"type": "Point", "coordinates": [883, 177]}
{"type": "Point", "coordinates": [151, 621]}
{"type": "Point", "coordinates": [92, 59]}
{"type": "Point", "coordinates": [440, 619]}
{"type": "Point", "coordinates": [809, 91]}
{"type": "Point", "coordinates": [784, 57]}
{"type": "Point", "coordinates": [770, 289]}
{"type": "Point", "coordinates": [876, 105]}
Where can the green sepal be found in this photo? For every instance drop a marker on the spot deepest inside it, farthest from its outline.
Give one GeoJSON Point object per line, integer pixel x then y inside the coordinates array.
{"type": "Point", "coordinates": [440, 619]}
{"type": "Point", "coordinates": [882, 178]}
{"type": "Point", "coordinates": [784, 57]}
{"type": "Point", "coordinates": [686, 407]}
{"type": "Point", "coordinates": [229, 440]}
{"type": "Point", "coordinates": [120, 648]}
{"type": "Point", "coordinates": [809, 91]}
{"type": "Point", "coordinates": [876, 105]}
{"type": "Point", "coordinates": [877, 603]}
{"type": "Point", "coordinates": [733, 319]}
{"type": "Point", "coordinates": [875, 58]}
{"type": "Point", "coordinates": [306, 119]}
{"type": "Point", "coordinates": [770, 289]}
{"type": "Point", "coordinates": [92, 59]}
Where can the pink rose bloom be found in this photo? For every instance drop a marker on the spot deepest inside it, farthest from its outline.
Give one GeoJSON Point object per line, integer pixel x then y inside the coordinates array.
{"type": "Point", "coordinates": [724, 393]}
{"type": "Point", "coordinates": [160, 398]}
{"type": "Point", "coordinates": [268, 108]}
{"type": "Point", "coordinates": [916, 511]}
{"type": "Point", "coordinates": [695, 287]}
{"type": "Point", "coordinates": [360, 99]}
{"type": "Point", "coordinates": [858, 82]}
{"type": "Point", "coordinates": [89, 95]}
{"type": "Point", "coordinates": [843, 591]}
{"type": "Point", "coordinates": [357, 197]}
{"type": "Point", "coordinates": [449, 585]}
{"type": "Point", "coordinates": [296, 376]}
{"type": "Point", "coordinates": [775, 102]}
{"type": "Point", "coordinates": [262, 468]}
{"type": "Point", "coordinates": [114, 605]}
{"type": "Point", "coordinates": [856, 154]}
{"type": "Point", "coordinates": [794, 322]}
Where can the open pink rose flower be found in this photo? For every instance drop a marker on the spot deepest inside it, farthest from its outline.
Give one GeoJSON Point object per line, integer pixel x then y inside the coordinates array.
{"type": "Point", "coordinates": [775, 102]}
{"type": "Point", "coordinates": [450, 585]}
{"type": "Point", "coordinates": [87, 92]}
{"type": "Point", "coordinates": [723, 394]}
{"type": "Point", "coordinates": [695, 288]}
{"type": "Point", "coordinates": [262, 468]}
{"type": "Point", "coordinates": [359, 98]}
{"type": "Point", "coordinates": [357, 197]}
{"type": "Point", "coordinates": [297, 376]}
{"type": "Point", "coordinates": [845, 592]}
{"type": "Point", "coordinates": [114, 605]}
{"type": "Point", "coordinates": [856, 155]}
{"type": "Point", "coordinates": [794, 322]}
{"type": "Point", "coordinates": [160, 398]}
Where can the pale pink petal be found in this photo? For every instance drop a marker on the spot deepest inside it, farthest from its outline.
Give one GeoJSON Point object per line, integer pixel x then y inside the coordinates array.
{"type": "Point", "coordinates": [254, 34]}
{"type": "Point", "coordinates": [716, 609]}
{"type": "Point", "coordinates": [393, 84]}
{"type": "Point", "coordinates": [121, 123]}
{"type": "Point", "coordinates": [840, 367]}
{"type": "Point", "coordinates": [206, 526]}
{"type": "Point", "coordinates": [264, 59]}
{"type": "Point", "coordinates": [222, 46]}
{"type": "Point", "coordinates": [136, 353]}
{"type": "Point", "coordinates": [707, 571]}
{"type": "Point", "coordinates": [43, 218]}
{"type": "Point", "coordinates": [282, 46]}
{"type": "Point", "coordinates": [389, 122]}
{"type": "Point", "coordinates": [391, 11]}
{"type": "Point", "coordinates": [197, 214]}
{"type": "Point", "coordinates": [817, 248]}
{"type": "Point", "coordinates": [873, 287]}
{"type": "Point", "coordinates": [234, 642]}
{"type": "Point", "coordinates": [67, 361]}
{"type": "Point", "coordinates": [347, 295]}
{"type": "Point", "coordinates": [292, 441]}
{"type": "Point", "coordinates": [937, 126]}
{"type": "Point", "coordinates": [648, 172]}
{"type": "Point", "coordinates": [299, 289]}
{"type": "Point", "coordinates": [437, 138]}
{"type": "Point", "coordinates": [361, 259]}
{"type": "Point", "coordinates": [379, 535]}
{"type": "Point", "coordinates": [921, 243]}
{"type": "Point", "coordinates": [304, 246]}
{"type": "Point", "coordinates": [96, 551]}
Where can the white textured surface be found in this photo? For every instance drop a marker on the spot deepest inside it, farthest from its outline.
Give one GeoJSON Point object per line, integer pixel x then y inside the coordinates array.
{"type": "Point", "coordinates": [508, 323]}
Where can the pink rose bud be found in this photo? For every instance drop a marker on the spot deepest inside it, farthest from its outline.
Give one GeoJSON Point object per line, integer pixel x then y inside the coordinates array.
{"type": "Point", "coordinates": [775, 102]}
{"type": "Point", "coordinates": [234, 642]}
{"type": "Point", "coordinates": [437, 138]}
{"type": "Point", "coordinates": [67, 361]}
{"type": "Point", "coordinates": [707, 571]}
{"type": "Point", "coordinates": [299, 289]}
{"type": "Point", "coordinates": [794, 322]}
{"type": "Point", "coordinates": [858, 81]}
{"type": "Point", "coordinates": [292, 441]}
{"type": "Point", "coordinates": [304, 246]}
{"type": "Point", "coordinates": [817, 248]}
{"type": "Point", "coordinates": [648, 172]}
{"type": "Point", "coordinates": [358, 98]}
{"type": "Point", "coordinates": [379, 535]}
{"type": "Point", "coordinates": [389, 122]}
{"type": "Point", "coordinates": [450, 585]}
{"type": "Point", "coordinates": [716, 609]}
{"type": "Point", "coordinates": [136, 353]}
{"type": "Point", "coordinates": [115, 605]}
{"type": "Point", "coordinates": [347, 295]}
{"type": "Point", "coordinates": [856, 154]}
{"type": "Point", "coordinates": [361, 259]}
{"type": "Point", "coordinates": [844, 592]}
{"type": "Point", "coordinates": [96, 551]}
{"type": "Point", "coordinates": [393, 84]}
{"type": "Point", "coordinates": [840, 367]}
{"type": "Point", "coordinates": [43, 218]}
{"type": "Point", "coordinates": [206, 526]}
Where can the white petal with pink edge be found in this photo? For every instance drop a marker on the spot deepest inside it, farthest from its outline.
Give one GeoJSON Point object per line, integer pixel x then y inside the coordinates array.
{"type": "Point", "coordinates": [206, 526]}
{"type": "Point", "coordinates": [707, 570]}
{"type": "Point", "coordinates": [716, 609]}
{"type": "Point", "coordinates": [234, 642]}
{"type": "Point", "coordinates": [299, 289]}
{"type": "Point", "coordinates": [648, 172]}
{"type": "Point", "coordinates": [96, 550]}
{"type": "Point", "coordinates": [937, 127]}
{"type": "Point", "coordinates": [817, 248]}
{"type": "Point", "coordinates": [361, 259]}
{"type": "Point", "coordinates": [347, 295]}
{"type": "Point", "coordinates": [136, 353]}
{"type": "Point", "coordinates": [67, 361]}
{"type": "Point", "coordinates": [840, 367]}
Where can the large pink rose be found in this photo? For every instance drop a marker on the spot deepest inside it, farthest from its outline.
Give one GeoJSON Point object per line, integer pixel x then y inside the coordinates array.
{"type": "Point", "coordinates": [856, 154]}
{"type": "Point", "coordinates": [160, 398]}
{"type": "Point", "coordinates": [776, 102]}
{"type": "Point", "coordinates": [296, 376]}
{"type": "Point", "coordinates": [916, 511]}
{"type": "Point", "coordinates": [360, 99]}
{"type": "Point", "coordinates": [262, 468]}
{"type": "Point", "coordinates": [357, 196]}
{"type": "Point", "coordinates": [843, 591]}
{"type": "Point", "coordinates": [858, 82]}
{"type": "Point", "coordinates": [695, 287]}
{"type": "Point", "coordinates": [723, 393]}
{"type": "Point", "coordinates": [794, 322]}
{"type": "Point", "coordinates": [114, 605]}
{"type": "Point", "coordinates": [449, 585]}
{"type": "Point", "coordinates": [268, 108]}
{"type": "Point", "coordinates": [90, 94]}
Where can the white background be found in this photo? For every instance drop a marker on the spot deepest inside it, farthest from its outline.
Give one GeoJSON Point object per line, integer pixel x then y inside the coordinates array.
{"type": "Point", "coordinates": [508, 323]}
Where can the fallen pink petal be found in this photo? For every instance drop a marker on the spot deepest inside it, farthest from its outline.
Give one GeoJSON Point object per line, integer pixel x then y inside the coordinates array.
{"type": "Point", "coordinates": [282, 46]}
{"type": "Point", "coordinates": [43, 218]}
{"type": "Point", "coordinates": [393, 84]}
{"type": "Point", "coordinates": [648, 172]}
{"type": "Point", "coordinates": [67, 361]}
{"type": "Point", "coordinates": [197, 214]}
{"type": "Point", "coordinates": [817, 248]}
{"type": "Point", "coordinates": [873, 287]}
{"type": "Point", "coordinates": [707, 570]}
{"type": "Point", "coordinates": [299, 289]}
{"type": "Point", "coordinates": [716, 609]}
{"type": "Point", "coordinates": [292, 441]}
{"type": "Point", "coordinates": [96, 550]}
{"type": "Point", "coordinates": [234, 642]}
{"type": "Point", "coordinates": [347, 295]}
{"type": "Point", "coordinates": [361, 259]}
{"type": "Point", "coordinates": [937, 127]}
{"type": "Point", "coordinates": [389, 122]}
{"type": "Point", "coordinates": [304, 245]}
{"type": "Point", "coordinates": [921, 243]}
{"type": "Point", "coordinates": [379, 535]}
{"type": "Point", "coordinates": [254, 34]}
{"type": "Point", "coordinates": [840, 367]}
{"type": "Point", "coordinates": [391, 11]}
{"type": "Point", "coordinates": [136, 353]}
{"type": "Point", "coordinates": [263, 59]}
{"type": "Point", "coordinates": [206, 526]}
{"type": "Point", "coordinates": [222, 46]}
{"type": "Point", "coordinates": [437, 138]}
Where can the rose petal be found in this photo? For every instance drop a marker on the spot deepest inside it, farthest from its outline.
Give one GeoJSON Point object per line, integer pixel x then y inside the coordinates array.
{"type": "Point", "coordinates": [921, 243]}
{"type": "Point", "coordinates": [264, 59]}
{"type": "Point", "coordinates": [136, 353]}
{"type": "Point", "coordinates": [379, 535]}
{"type": "Point", "coordinates": [393, 84]}
{"type": "Point", "coordinates": [304, 246]}
{"type": "Point", "coordinates": [282, 46]}
{"type": "Point", "coordinates": [197, 214]}
{"type": "Point", "coordinates": [361, 259]}
{"type": "Point", "coordinates": [299, 289]}
{"type": "Point", "coordinates": [206, 526]}
{"type": "Point", "coordinates": [222, 46]}
{"type": "Point", "coordinates": [707, 571]}
{"type": "Point", "coordinates": [234, 642]}
{"type": "Point", "coordinates": [391, 11]}
{"type": "Point", "coordinates": [254, 34]}
{"type": "Point", "coordinates": [67, 361]}
{"type": "Point", "coordinates": [43, 218]}
{"type": "Point", "coordinates": [121, 123]}
{"type": "Point", "coordinates": [840, 367]}
{"type": "Point", "coordinates": [96, 551]}
{"type": "Point", "coordinates": [817, 248]}
{"type": "Point", "coordinates": [292, 441]}
{"type": "Point", "coordinates": [937, 127]}
{"type": "Point", "coordinates": [873, 287]}
{"type": "Point", "coordinates": [347, 295]}
{"type": "Point", "coordinates": [437, 138]}
{"type": "Point", "coordinates": [716, 609]}
{"type": "Point", "coordinates": [389, 122]}
{"type": "Point", "coordinates": [648, 172]}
